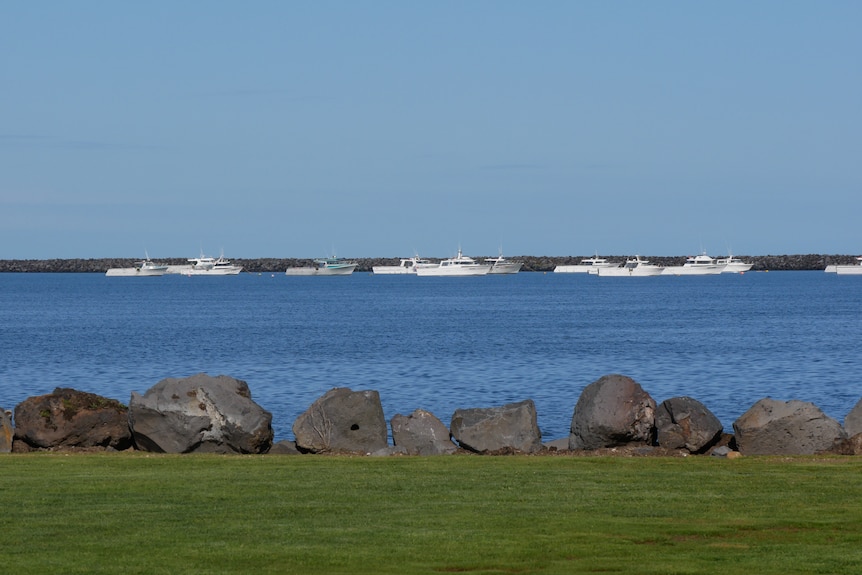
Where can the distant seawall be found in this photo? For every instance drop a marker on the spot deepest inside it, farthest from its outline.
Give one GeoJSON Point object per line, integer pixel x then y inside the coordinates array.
{"type": "Point", "coordinates": [531, 263]}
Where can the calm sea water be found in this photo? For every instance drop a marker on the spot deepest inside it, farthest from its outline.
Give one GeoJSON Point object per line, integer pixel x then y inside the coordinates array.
{"type": "Point", "coordinates": [440, 343]}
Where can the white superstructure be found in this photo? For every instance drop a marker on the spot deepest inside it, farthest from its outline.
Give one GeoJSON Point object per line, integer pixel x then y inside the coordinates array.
{"type": "Point", "coordinates": [587, 266]}
{"type": "Point", "coordinates": [407, 266]}
{"type": "Point", "coordinates": [207, 266]}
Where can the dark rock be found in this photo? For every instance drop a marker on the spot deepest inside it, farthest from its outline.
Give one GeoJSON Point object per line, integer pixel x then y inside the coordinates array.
{"type": "Point", "coordinates": [721, 451]}
{"type": "Point", "coordinates": [390, 450]}
{"type": "Point", "coordinates": [849, 446]}
{"type": "Point", "coordinates": [68, 418]}
{"type": "Point", "coordinates": [7, 431]}
{"type": "Point", "coordinates": [200, 414]}
{"type": "Point", "coordinates": [491, 429]}
{"type": "Point", "coordinates": [284, 447]}
{"type": "Point", "coordinates": [614, 410]}
{"type": "Point", "coordinates": [853, 421]}
{"type": "Point", "coordinates": [561, 444]}
{"type": "Point", "coordinates": [683, 422]}
{"type": "Point", "coordinates": [421, 433]}
{"type": "Point", "coordinates": [772, 427]}
{"type": "Point", "coordinates": [342, 420]}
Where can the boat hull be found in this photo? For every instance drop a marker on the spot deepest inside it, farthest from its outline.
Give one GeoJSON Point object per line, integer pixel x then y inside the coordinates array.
{"type": "Point", "coordinates": [582, 268]}
{"type": "Point", "coordinates": [136, 272]}
{"type": "Point", "coordinates": [392, 270]}
{"type": "Point", "coordinates": [455, 271]}
{"type": "Point", "coordinates": [506, 268]}
{"type": "Point", "coordinates": [641, 271]}
{"type": "Point", "coordinates": [700, 270]}
{"type": "Point", "coordinates": [311, 271]}
{"type": "Point", "coordinates": [231, 271]}
{"type": "Point", "coordinates": [853, 270]}
{"type": "Point", "coordinates": [736, 268]}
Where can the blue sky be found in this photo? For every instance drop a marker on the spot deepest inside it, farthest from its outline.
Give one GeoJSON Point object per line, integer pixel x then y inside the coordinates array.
{"type": "Point", "coordinates": [302, 129]}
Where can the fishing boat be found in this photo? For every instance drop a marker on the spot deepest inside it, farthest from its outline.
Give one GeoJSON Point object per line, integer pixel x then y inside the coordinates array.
{"type": "Point", "coordinates": [733, 265]}
{"type": "Point", "coordinates": [460, 265]}
{"type": "Point", "coordinates": [407, 266]}
{"type": "Point", "coordinates": [587, 266]}
{"type": "Point", "coordinates": [699, 265]}
{"type": "Point", "coordinates": [208, 266]}
{"type": "Point", "coordinates": [634, 267]}
{"type": "Point", "coordinates": [850, 270]}
{"type": "Point", "coordinates": [324, 267]}
{"type": "Point", "coordinates": [501, 265]}
{"type": "Point", "coordinates": [144, 268]}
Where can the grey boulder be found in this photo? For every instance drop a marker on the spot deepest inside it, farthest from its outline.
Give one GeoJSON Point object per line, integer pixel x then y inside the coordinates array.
{"type": "Point", "coordinates": [342, 420]}
{"type": "Point", "coordinates": [511, 427]}
{"type": "Point", "coordinates": [421, 433]}
{"type": "Point", "coordinates": [612, 411]}
{"type": "Point", "coordinates": [853, 420]}
{"type": "Point", "coordinates": [683, 422]}
{"type": "Point", "coordinates": [200, 413]}
{"type": "Point", "coordinates": [772, 427]}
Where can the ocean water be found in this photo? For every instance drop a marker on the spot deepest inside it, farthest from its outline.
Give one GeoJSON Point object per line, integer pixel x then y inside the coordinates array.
{"type": "Point", "coordinates": [440, 343]}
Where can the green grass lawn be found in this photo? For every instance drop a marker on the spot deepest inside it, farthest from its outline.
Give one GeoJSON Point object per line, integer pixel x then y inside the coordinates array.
{"type": "Point", "coordinates": [138, 513]}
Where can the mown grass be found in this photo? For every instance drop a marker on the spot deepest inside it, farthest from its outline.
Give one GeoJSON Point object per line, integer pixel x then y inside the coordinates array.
{"type": "Point", "coordinates": [133, 513]}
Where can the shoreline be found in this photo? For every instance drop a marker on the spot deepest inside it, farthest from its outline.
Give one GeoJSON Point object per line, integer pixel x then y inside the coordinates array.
{"type": "Point", "coordinates": [795, 262]}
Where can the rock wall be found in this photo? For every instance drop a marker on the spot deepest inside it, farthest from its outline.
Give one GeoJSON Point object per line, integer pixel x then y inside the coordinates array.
{"type": "Point", "coordinates": [613, 415]}
{"type": "Point", "coordinates": [797, 262]}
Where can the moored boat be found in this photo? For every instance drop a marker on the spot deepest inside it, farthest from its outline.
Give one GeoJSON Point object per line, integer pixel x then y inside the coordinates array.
{"type": "Point", "coordinates": [208, 266]}
{"type": "Point", "coordinates": [588, 265]}
{"type": "Point", "coordinates": [144, 268]}
{"type": "Point", "coordinates": [407, 266]}
{"type": "Point", "coordinates": [460, 265]}
{"type": "Point", "coordinates": [699, 265]}
{"type": "Point", "coordinates": [850, 270]}
{"type": "Point", "coordinates": [324, 267]}
{"type": "Point", "coordinates": [733, 265]}
{"type": "Point", "coordinates": [501, 265]}
{"type": "Point", "coordinates": [634, 267]}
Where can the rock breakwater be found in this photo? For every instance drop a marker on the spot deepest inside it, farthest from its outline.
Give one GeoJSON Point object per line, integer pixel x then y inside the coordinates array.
{"type": "Point", "coordinates": [799, 262]}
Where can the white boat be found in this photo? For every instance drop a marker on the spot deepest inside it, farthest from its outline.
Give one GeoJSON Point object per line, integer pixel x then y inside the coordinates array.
{"type": "Point", "coordinates": [587, 266]}
{"type": "Point", "coordinates": [207, 266]}
{"type": "Point", "coordinates": [850, 270]}
{"type": "Point", "coordinates": [733, 265]}
{"type": "Point", "coordinates": [145, 268]}
{"type": "Point", "coordinates": [700, 265]}
{"type": "Point", "coordinates": [460, 265]}
{"type": "Point", "coordinates": [634, 267]}
{"type": "Point", "coordinates": [407, 266]}
{"type": "Point", "coordinates": [501, 265]}
{"type": "Point", "coordinates": [324, 267]}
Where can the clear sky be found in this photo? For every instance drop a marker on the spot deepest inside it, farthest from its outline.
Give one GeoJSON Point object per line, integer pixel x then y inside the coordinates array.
{"type": "Point", "coordinates": [384, 128]}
